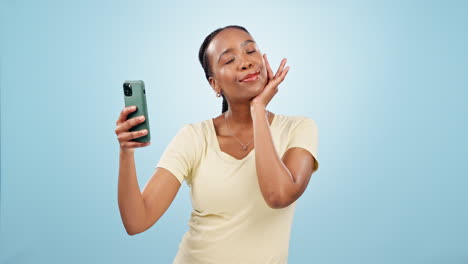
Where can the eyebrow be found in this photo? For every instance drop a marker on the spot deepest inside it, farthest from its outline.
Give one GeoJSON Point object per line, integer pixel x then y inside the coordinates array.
{"type": "Point", "coordinates": [229, 50]}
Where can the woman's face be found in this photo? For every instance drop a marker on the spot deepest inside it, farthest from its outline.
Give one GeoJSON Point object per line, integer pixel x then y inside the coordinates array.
{"type": "Point", "coordinates": [233, 55]}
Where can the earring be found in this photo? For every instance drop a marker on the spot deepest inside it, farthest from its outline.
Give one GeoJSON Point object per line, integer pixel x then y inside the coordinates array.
{"type": "Point", "coordinates": [218, 94]}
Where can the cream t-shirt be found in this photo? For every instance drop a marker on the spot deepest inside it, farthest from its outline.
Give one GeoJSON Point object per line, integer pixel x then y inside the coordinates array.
{"type": "Point", "coordinates": [230, 221]}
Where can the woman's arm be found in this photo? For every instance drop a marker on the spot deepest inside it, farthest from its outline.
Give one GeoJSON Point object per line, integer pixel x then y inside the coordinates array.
{"type": "Point", "coordinates": [271, 172]}
{"type": "Point", "coordinates": [282, 180]}
{"type": "Point", "coordinates": [131, 204]}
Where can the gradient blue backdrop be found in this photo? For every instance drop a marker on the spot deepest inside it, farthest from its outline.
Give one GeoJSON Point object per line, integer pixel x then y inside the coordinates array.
{"type": "Point", "coordinates": [386, 82]}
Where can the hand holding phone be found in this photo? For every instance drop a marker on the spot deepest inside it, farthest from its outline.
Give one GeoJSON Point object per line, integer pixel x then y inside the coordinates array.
{"type": "Point", "coordinates": [133, 125]}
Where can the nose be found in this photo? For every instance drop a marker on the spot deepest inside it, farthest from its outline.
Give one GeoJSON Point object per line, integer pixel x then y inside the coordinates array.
{"type": "Point", "coordinates": [246, 64]}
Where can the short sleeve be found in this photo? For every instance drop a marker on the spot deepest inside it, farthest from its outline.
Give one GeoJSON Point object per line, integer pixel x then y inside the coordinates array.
{"type": "Point", "coordinates": [304, 134]}
{"type": "Point", "coordinates": [180, 154]}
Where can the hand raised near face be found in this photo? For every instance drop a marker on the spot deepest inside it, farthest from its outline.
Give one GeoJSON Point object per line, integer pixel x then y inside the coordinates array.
{"type": "Point", "coordinates": [271, 87]}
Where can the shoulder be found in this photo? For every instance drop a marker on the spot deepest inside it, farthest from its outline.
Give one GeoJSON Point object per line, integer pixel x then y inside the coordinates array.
{"type": "Point", "coordinates": [295, 121]}
{"type": "Point", "coordinates": [198, 130]}
{"type": "Point", "coordinates": [305, 121]}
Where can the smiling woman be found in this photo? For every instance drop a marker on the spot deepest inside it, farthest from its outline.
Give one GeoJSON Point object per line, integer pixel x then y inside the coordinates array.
{"type": "Point", "coordinates": [243, 195]}
{"type": "Point", "coordinates": [227, 56]}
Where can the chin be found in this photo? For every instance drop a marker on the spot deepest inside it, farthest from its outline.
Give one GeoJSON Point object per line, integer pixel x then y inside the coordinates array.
{"type": "Point", "coordinates": [260, 84]}
{"type": "Point", "coordinates": [255, 87]}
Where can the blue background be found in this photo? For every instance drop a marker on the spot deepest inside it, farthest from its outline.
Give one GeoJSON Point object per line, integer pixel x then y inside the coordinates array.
{"type": "Point", "coordinates": [385, 81]}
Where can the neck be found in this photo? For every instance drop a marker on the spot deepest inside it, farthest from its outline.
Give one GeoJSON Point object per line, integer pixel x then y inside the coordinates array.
{"type": "Point", "coordinates": [239, 117]}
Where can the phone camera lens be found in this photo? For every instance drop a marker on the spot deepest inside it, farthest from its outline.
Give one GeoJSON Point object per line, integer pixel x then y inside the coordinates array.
{"type": "Point", "coordinates": [127, 89]}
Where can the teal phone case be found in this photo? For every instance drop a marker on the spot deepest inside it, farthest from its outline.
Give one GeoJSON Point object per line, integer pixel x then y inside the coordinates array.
{"type": "Point", "coordinates": [137, 97]}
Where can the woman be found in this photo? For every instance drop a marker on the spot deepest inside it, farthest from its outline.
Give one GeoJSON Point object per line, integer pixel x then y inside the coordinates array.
{"type": "Point", "coordinates": [246, 168]}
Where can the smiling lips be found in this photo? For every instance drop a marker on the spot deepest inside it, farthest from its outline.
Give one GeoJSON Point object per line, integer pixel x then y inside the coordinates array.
{"type": "Point", "coordinates": [250, 77]}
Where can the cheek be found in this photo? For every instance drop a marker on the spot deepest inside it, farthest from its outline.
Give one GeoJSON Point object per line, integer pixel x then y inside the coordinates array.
{"type": "Point", "coordinates": [226, 75]}
{"type": "Point", "coordinates": [222, 72]}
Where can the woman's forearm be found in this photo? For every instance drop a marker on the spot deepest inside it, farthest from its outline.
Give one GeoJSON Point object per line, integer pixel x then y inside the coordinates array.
{"type": "Point", "coordinates": [273, 175]}
{"type": "Point", "coordinates": [130, 199]}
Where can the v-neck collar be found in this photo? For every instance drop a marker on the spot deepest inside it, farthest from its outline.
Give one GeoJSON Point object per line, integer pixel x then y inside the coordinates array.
{"type": "Point", "coordinates": [215, 143]}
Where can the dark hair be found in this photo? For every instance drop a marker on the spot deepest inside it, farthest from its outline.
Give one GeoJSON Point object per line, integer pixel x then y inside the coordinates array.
{"type": "Point", "coordinates": [204, 58]}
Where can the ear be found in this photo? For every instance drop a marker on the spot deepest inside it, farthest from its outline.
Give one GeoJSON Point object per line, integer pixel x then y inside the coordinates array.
{"type": "Point", "coordinates": [213, 84]}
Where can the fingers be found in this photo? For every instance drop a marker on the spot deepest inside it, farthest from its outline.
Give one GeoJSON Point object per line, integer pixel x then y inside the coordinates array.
{"type": "Point", "coordinates": [280, 73]}
{"type": "Point", "coordinates": [126, 136]}
{"type": "Point", "coordinates": [125, 126]}
{"type": "Point", "coordinates": [283, 73]}
{"type": "Point", "coordinates": [267, 64]}
{"type": "Point", "coordinates": [123, 115]}
{"type": "Point", "coordinates": [280, 68]}
{"type": "Point", "coordinates": [281, 77]}
{"type": "Point", "coordinates": [133, 144]}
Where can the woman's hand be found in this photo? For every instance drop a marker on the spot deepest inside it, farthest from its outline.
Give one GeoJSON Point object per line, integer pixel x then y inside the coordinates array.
{"type": "Point", "coordinates": [123, 127]}
{"type": "Point", "coordinates": [271, 88]}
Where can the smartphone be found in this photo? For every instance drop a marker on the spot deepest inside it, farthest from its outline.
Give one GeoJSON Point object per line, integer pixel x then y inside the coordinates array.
{"type": "Point", "coordinates": [135, 94]}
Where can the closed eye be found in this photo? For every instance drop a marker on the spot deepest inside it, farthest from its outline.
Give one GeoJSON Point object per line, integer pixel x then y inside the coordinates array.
{"type": "Point", "coordinates": [249, 52]}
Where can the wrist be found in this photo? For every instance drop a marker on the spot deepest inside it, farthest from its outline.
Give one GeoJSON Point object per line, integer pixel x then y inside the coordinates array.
{"type": "Point", "coordinates": [259, 113]}
{"type": "Point", "coordinates": [255, 108]}
{"type": "Point", "coordinates": [127, 151]}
